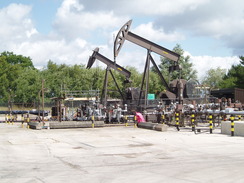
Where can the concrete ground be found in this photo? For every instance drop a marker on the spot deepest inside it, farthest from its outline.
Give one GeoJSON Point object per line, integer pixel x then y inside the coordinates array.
{"type": "Point", "coordinates": [118, 154]}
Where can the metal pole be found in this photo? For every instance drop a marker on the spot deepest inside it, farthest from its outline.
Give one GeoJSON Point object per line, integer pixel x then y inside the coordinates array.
{"type": "Point", "coordinates": [43, 100]}
{"type": "Point", "coordinates": [147, 78]}
{"type": "Point", "coordinates": [142, 83]}
{"type": "Point", "coordinates": [117, 86]}
{"type": "Point", "coordinates": [39, 99]}
{"type": "Point", "coordinates": [60, 110]}
{"type": "Point", "coordinates": [105, 89]}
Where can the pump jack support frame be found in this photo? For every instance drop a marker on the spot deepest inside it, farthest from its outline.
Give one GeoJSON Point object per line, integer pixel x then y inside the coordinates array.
{"type": "Point", "coordinates": [110, 64]}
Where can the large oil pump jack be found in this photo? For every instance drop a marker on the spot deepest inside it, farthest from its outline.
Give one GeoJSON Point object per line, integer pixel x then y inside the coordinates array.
{"type": "Point", "coordinates": [173, 92]}
{"type": "Point", "coordinates": [110, 65]}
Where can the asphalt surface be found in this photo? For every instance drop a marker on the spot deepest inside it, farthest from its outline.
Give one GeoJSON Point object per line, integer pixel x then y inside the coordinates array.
{"type": "Point", "coordinates": [118, 154]}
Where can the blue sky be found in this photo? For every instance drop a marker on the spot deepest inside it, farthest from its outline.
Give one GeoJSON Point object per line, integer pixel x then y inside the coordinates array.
{"type": "Point", "coordinates": [66, 31]}
{"type": "Point", "coordinates": [43, 12]}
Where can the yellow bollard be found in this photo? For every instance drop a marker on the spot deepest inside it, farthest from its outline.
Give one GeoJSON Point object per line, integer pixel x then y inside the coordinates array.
{"type": "Point", "coordinates": [12, 120]}
{"type": "Point", "coordinates": [239, 117]}
{"type": "Point", "coordinates": [22, 118]}
{"type": "Point", "coordinates": [210, 117]}
{"type": "Point", "coordinates": [126, 121]}
{"type": "Point", "coordinates": [163, 118]}
{"type": "Point", "coordinates": [177, 115]}
{"type": "Point", "coordinates": [193, 121]}
{"type": "Point", "coordinates": [93, 119]}
{"type": "Point", "coordinates": [8, 118]}
{"type": "Point", "coordinates": [135, 121]}
{"type": "Point", "coordinates": [232, 119]}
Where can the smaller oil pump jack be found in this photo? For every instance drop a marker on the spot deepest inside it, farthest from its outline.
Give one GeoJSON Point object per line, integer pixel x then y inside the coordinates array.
{"type": "Point", "coordinates": [110, 65]}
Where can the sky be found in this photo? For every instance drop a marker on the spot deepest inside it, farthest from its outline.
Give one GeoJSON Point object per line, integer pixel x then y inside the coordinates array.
{"type": "Point", "coordinates": [67, 31]}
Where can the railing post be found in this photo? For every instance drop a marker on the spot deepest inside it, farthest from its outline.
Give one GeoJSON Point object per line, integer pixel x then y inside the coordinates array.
{"type": "Point", "coordinates": [177, 115]}
{"type": "Point", "coordinates": [193, 121]}
{"type": "Point", "coordinates": [232, 118]}
{"type": "Point", "coordinates": [210, 117]}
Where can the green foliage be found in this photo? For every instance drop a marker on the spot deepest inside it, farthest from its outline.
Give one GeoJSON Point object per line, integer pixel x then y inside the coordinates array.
{"type": "Point", "coordinates": [228, 82]}
{"type": "Point", "coordinates": [155, 84]}
{"type": "Point", "coordinates": [21, 82]}
{"type": "Point", "coordinates": [72, 78]}
{"type": "Point", "coordinates": [187, 71]}
{"type": "Point", "coordinates": [234, 77]}
{"type": "Point", "coordinates": [214, 77]}
{"type": "Point", "coordinates": [22, 61]}
{"type": "Point", "coordinates": [136, 76]}
{"type": "Point", "coordinates": [28, 84]}
{"type": "Point", "coordinates": [11, 67]}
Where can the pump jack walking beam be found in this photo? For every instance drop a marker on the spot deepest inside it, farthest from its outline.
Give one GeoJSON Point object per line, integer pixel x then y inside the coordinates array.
{"type": "Point", "coordinates": [109, 63]}
{"type": "Point", "coordinates": [125, 34]}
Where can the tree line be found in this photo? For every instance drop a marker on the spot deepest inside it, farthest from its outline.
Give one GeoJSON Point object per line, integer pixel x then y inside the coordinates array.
{"type": "Point", "coordinates": [21, 82]}
{"type": "Point", "coordinates": [220, 78]}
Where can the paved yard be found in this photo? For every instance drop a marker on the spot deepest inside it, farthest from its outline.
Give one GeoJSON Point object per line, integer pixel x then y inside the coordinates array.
{"type": "Point", "coordinates": [118, 154]}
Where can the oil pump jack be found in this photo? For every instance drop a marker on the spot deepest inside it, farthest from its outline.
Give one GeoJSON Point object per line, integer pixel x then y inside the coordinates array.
{"type": "Point", "coordinates": [175, 90]}
{"type": "Point", "coordinates": [110, 65]}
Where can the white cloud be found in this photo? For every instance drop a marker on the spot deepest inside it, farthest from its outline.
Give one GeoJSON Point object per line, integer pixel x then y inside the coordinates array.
{"type": "Point", "coordinates": [203, 63]}
{"type": "Point", "coordinates": [15, 23]}
{"type": "Point", "coordinates": [144, 7]}
{"type": "Point", "coordinates": [19, 35]}
{"type": "Point", "coordinates": [149, 32]}
{"type": "Point", "coordinates": [166, 7]}
{"type": "Point", "coordinates": [72, 21]}
{"type": "Point", "coordinates": [59, 51]}
{"type": "Point", "coordinates": [222, 20]}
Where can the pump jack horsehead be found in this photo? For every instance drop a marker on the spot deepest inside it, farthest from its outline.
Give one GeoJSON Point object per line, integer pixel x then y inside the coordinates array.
{"type": "Point", "coordinates": [175, 91]}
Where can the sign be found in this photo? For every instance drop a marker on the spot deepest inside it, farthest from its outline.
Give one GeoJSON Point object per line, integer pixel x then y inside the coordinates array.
{"type": "Point", "coordinates": [150, 96]}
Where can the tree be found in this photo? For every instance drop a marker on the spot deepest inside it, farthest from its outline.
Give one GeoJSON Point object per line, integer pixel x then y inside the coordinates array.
{"type": "Point", "coordinates": [214, 77]}
{"type": "Point", "coordinates": [72, 78]}
{"type": "Point", "coordinates": [234, 77]}
{"type": "Point", "coordinates": [11, 67]}
{"type": "Point", "coordinates": [136, 76]}
{"type": "Point", "coordinates": [28, 85]}
{"type": "Point", "coordinates": [13, 59]}
{"type": "Point", "coordinates": [242, 60]}
{"type": "Point", "coordinates": [187, 72]}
